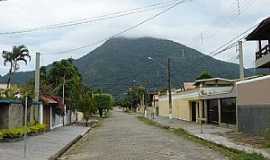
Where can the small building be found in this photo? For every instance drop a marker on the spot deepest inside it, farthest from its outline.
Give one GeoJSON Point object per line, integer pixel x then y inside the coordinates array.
{"type": "Point", "coordinates": [211, 99]}
{"type": "Point", "coordinates": [53, 111]}
{"type": "Point", "coordinates": [12, 114]}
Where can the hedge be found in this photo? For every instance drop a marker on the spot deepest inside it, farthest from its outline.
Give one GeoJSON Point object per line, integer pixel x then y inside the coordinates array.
{"type": "Point", "coordinates": [19, 132]}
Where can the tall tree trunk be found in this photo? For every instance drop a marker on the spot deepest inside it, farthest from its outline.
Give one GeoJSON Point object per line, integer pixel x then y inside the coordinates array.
{"type": "Point", "coordinates": [100, 112]}
{"type": "Point", "coordinates": [9, 76]}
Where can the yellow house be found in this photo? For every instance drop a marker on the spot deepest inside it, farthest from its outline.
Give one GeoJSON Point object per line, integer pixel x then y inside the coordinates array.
{"type": "Point", "coordinates": [183, 106]}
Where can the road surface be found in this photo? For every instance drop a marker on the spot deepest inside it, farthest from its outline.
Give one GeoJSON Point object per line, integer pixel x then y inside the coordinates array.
{"type": "Point", "coordinates": [124, 137]}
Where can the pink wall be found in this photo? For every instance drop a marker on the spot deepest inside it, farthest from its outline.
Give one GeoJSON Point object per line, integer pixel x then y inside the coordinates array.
{"type": "Point", "coordinates": [254, 92]}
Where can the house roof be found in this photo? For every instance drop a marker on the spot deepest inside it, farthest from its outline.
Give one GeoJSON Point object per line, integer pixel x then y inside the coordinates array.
{"type": "Point", "coordinates": [55, 100]}
{"type": "Point", "coordinates": [253, 80]}
{"type": "Point", "coordinates": [262, 32]}
{"type": "Point", "coordinates": [213, 79]}
{"type": "Point", "coordinates": [48, 100]}
{"type": "Point", "coordinates": [189, 85]}
{"type": "Point", "coordinates": [9, 101]}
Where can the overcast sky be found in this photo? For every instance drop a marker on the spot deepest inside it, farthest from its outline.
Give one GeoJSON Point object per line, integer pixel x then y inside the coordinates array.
{"type": "Point", "coordinates": [216, 21]}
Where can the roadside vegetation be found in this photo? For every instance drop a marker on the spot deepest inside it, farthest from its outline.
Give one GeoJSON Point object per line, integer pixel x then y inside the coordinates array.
{"type": "Point", "coordinates": [78, 97]}
{"type": "Point", "coordinates": [136, 95]}
{"type": "Point", "coordinates": [31, 129]}
{"type": "Point", "coordinates": [232, 154]}
{"type": "Point", "coordinates": [62, 77]}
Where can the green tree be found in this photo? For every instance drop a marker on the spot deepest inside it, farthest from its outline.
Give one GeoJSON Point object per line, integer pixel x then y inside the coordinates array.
{"type": "Point", "coordinates": [18, 54]}
{"type": "Point", "coordinates": [135, 96]}
{"type": "Point", "coordinates": [86, 103]}
{"type": "Point", "coordinates": [103, 102]}
{"type": "Point", "coordinates": [64, 73]}
{"type": "Point", "coordinates": [204, 75]}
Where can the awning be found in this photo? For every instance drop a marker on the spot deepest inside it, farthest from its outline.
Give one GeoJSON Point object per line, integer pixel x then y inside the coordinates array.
{"type": "Point", "coordinates": [262, 32]}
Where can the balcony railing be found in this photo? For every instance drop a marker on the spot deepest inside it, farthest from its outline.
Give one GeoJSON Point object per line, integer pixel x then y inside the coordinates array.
{"type": "Point", "coordinates": [264, 51]}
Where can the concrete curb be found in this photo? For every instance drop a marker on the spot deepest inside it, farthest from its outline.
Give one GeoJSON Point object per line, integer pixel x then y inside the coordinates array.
{"type": "Point", "coordinates": [67, 146]}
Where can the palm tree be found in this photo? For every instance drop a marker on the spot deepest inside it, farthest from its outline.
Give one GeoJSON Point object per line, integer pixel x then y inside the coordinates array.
{"type": "Point", "coordinates": [18, 53]}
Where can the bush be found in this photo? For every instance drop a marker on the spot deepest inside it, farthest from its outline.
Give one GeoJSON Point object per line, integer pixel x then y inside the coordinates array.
{"type": "Point", "coordinates": [13, 133]}
{"type": "Point", "coordinates": [37, 129]}
{"type": "Point", "coordinates": [19, 132]}
{"type": "Point", "coordinates": [1, 135]}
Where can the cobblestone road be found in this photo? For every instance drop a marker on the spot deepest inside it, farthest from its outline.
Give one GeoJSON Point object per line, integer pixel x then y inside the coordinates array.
{"type": "Point", "coordinates": [123, 137]}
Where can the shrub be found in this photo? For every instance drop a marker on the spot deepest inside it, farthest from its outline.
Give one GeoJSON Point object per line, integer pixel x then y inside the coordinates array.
{"type": "Point", "coordinates": [1, 135]}
{"type": "Point", "coordinates": [36, 129]}
{"type": "Point", "coordinates": [13, 133]}
{"type": "Point", "coordinates": [19, 132]}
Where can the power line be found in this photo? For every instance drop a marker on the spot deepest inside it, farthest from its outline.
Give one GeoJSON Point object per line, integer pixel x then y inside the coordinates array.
{"type": "Point", "coordinates": [126, 30]}
{"type": "Point", "coordinates": [243, 9]}
{"type": "Point", "coordinates": [236, 38]}
{"type": "Point", "coordinates": [82, 21]}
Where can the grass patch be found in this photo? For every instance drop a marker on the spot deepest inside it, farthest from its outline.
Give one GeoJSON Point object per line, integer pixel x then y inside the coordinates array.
{"type": "Point", "coordinates": [232, 154]}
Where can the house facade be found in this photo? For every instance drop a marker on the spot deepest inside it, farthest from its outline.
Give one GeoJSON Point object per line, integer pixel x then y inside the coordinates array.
{"type": "Point", "coordinates": [211, 99]}
{"type": "Point", "coordinates": [53, 111]}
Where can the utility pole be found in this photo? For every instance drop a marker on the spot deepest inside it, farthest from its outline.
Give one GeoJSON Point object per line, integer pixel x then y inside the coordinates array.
{"type": "Point", "coordinates": [25, 126]}
{"type": "Point", "coordinates": [169, 88]}
{"type": "Point", "coordinates": [37, 86]}
{"type": "Point", "coordinates": [37, 77]}
{"type": "Point", "coordinates": [241, 60]}
{"type": "Point", "coordinates": [63, 96]}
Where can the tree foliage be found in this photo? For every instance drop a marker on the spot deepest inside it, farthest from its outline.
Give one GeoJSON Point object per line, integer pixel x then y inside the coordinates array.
{"type": "Point", "coordinates": [103, 102]}
{"type": "Point", "coordinates": [134, 97]}
{"type": "Point", "coordinates": [86, 103]}
{"type": "Point", "coordinates": [64, 73]}
{"type": "Point", "coordinates": [77, 95]}
{"type": "Point", "coordinates": [18, 54]}
{"type": "Point", "coordinates": [204, 75]}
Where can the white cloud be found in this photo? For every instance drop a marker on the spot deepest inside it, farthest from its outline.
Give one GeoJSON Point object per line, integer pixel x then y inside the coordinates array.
{"type": "Point", "coordinates": [216, 20]}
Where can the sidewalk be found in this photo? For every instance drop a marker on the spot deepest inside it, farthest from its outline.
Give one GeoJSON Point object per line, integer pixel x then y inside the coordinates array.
{"type": "Point", "coordinates": [211, 133]}
{"type": "Point", "coordinates": [43, 146]}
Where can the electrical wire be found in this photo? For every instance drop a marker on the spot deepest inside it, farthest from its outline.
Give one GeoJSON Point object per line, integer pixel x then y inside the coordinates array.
{"type": "Point", "coordinates": [124, 31]}
{"type": "Point", "coordinates": [82, 21]}
{"type": "Point", "coordinates": [231, 42]}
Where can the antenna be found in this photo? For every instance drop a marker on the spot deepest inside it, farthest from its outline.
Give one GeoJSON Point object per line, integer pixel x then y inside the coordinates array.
{"type": "Point", "coordinates": [202, 40]}
{"type": "Point", "coordinates": [238, 7]}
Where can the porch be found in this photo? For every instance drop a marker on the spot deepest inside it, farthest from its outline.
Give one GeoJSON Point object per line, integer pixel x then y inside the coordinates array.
{"type": "Point", "coordinates": [220, 111]}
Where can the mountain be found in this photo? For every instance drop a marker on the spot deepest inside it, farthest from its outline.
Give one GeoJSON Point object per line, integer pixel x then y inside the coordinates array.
{"type": "Point", "coordinates": [122, 62]}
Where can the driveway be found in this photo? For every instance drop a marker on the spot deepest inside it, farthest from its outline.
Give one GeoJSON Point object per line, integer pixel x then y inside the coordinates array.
{"type": "Point", "coordinates": [124, 137]}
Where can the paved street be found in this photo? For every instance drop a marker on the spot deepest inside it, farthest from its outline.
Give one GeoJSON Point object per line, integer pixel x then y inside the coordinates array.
{"type": "Point", "coordinates": [123, 137]}
{"type": "Point", "coordinates": [41, 147]}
